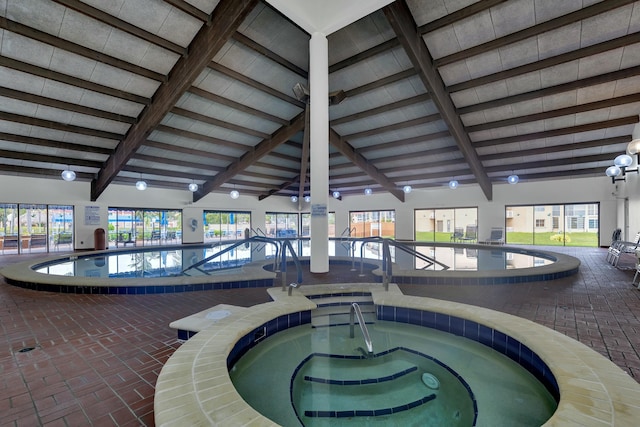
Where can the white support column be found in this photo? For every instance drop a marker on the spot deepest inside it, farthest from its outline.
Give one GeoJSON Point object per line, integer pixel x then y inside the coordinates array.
{"type": "Point", "coordinates": [319, 151]}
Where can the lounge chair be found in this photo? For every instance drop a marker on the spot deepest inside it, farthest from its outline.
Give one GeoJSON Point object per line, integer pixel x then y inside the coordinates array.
{"type": "Point", "coordinates": [470, 234]}
{"type": "Point", "coordinates": [495, 238]}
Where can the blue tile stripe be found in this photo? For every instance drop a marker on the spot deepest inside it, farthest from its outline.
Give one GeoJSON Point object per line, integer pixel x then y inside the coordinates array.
{"type": "Point", "coordinates": [364, 381]}
{"type": "Point", "coordinates": [370, 412]}
{"type": "Point", "coordinates": [140, 289]}
{"type": "Point", "coordinates": [264, 331]}
{"type": "Point", "coordinates": [492, 338]}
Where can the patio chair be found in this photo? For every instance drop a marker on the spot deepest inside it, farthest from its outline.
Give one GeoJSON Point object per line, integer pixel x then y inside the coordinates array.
{"type": "Point", "coordinates": [470, 234]}
{"type": "Point", "coordinates": [495, 238]}
{"type": "Point", "coordinates": [457, 234]}
{"type": "Point", "coordinates": [615, 240]}
{"type": "Point", "coordinates": [624, 248]}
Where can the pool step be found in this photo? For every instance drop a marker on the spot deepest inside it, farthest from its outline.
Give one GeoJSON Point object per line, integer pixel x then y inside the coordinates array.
{"type": "Point", "coordinates": [356, 387]}
{"type": "Point", "coordinates": [335, 309]}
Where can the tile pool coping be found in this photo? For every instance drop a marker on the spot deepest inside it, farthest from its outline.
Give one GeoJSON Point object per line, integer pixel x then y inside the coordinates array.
{"type": "Point", "coordinates": [194, 387]}
{"type": "Point", "coordinates": [258, 274]}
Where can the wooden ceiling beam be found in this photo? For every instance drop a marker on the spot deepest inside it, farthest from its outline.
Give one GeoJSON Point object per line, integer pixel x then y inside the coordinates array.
{"type": "Point", "coordinates": [236, 105]}
{"type": "Point", "coordinates": [204, 138]}
{"type": "Point", "coordinates": [404, 26]}
{"type": "Point", "coordinates": [396, 126]}
{"type": "Point", "coordinates": [563, 58]}
{"type": "Point", "coordinates": [590, 106]}
{"type": "Point", "coordinates": [67, 106]}
{"type": "Point", "coordinates": [190, 10]}
{"type": "Point", "coordinates": [425, 97]}
{"type": "Point", "coordinates": [262, 149]}
{"type": "Point", "coordinates": [380, 83]}
{"type": "Point", "coordinates": [227, 17]}
{"type": "Point", "coordinates": [23, 30]}
{"type": "Point", "coordinates": [256, 47]}
{"type": "Point", "coordinates": [71, 81]}
{"type": "Point", "coordinates": [41, 142]}
{"type": "Point", "coordinates": [630, 120]}
{"type": "Point", "coordinates": [255, 84]}
{"type": "Point", "coordinates": [559, 148]}
{"type": "Point", "coordinates": [217, 122]}
{"type": "Point", "coordinates": [122, 25]}
{"type": "Point", "coordinates": [552, 24]}
{"type": "Point", "coordinates": [553, 90]}
{"type": "Point", "coordinates": [50, 124]}
{"type": "Point", "coordinates": [458, 15]}
{"type": "Point", "coordinates": [349, 152]}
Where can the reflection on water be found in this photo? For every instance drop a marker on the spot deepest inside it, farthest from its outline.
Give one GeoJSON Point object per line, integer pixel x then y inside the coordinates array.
{"type": "Point", "coordinates": [155, 262]}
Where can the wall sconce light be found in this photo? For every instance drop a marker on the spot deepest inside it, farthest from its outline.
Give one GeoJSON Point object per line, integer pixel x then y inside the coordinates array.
{"type": "Point", "coordinates": [622, 162]}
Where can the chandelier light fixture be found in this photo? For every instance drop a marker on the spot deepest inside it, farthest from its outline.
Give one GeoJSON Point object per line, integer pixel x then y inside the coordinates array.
{"type": "Point", "coordinates": [68, 175]}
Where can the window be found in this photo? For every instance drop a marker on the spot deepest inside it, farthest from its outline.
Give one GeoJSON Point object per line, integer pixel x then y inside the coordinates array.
{"type": "Point", "coordinates": [225, 225]}
{"type": "Point", "coordinates": [372, 223]}
{"type": "Point", "coordinates": [445, 225]}
{"type": "Point", "coordinates": [144, 227]}
{"type": "Point", "coordinates": [35, 228]}
{"type": "Point", "coordinates": [573, 224]}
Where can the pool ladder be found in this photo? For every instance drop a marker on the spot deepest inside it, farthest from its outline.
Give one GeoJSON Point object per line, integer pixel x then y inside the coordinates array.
{"type": "Point", "coordinates": [354, 313]}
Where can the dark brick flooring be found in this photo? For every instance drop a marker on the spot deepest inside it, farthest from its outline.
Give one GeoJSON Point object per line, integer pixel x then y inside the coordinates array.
{"type": "Point", "coordinates": [96, 358]}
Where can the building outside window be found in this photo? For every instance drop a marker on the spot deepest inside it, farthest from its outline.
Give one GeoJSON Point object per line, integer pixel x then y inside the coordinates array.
{"type": "Point", "coordinates": [33, 228]}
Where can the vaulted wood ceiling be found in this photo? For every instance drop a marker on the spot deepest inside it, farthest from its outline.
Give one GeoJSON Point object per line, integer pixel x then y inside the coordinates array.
{"type": "Point", "coordinates": [181, 91]}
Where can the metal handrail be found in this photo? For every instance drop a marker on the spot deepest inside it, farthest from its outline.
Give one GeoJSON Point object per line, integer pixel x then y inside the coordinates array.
{"type": "Point", "coordinates": [355, 309]}
{"type": "Point", "coordinates": [286, 244]}
{"type": "Point", "coordinates": [228, 249]}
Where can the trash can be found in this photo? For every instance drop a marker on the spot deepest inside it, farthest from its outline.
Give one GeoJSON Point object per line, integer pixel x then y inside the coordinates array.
{"type": "Point", "coordinates": [99, 239]}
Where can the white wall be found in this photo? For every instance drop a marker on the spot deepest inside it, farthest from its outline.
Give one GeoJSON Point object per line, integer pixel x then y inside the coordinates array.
{"type": "Point", "coordinates": [599, 189]}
